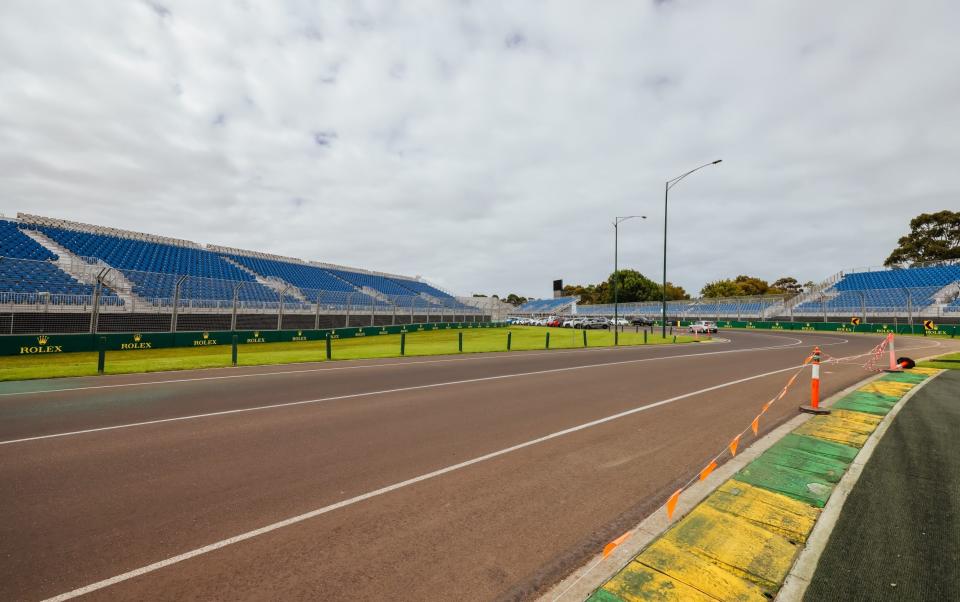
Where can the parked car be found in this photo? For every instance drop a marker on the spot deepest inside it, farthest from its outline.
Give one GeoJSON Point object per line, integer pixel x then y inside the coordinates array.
{"type": "Point", "coordinates": [702, 326]}
{"type": "Point", "coordinates": [594, 323]}
{"type": "Point", "coordinates": [571, 322]}
{"type": "Point", "coordinates": [641, 321]}
{"type": "Point", "coordinates": [620, 321]}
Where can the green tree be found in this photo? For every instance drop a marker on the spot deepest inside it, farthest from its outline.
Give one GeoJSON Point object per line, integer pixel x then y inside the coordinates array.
{"type": "Point", "coordinates": [787, 284]}
{"type": "Point", "coordinates": [933, 237]}
{"type": "Point", "coordinates": [515, 299]}
{"type": "Point", "coordinates": [751, 285]}
{"type": "Point", "coordinates": [631, 286]}
{"type": "Point", "coordinates": [674, 293]}
{"type": "Point", "coordinates": [586, 293]}
{"type": "Point", "coordinates": [720, 288]}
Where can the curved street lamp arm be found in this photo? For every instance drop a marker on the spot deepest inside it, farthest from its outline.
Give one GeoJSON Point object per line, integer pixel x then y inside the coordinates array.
{"type": "Point", "coordinates": [676, 180]}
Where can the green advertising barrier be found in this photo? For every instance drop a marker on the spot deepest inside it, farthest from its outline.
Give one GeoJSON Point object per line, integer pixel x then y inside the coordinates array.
{"type": "Point", "coordinates": [950, 330]}
{"type": "Point", "coordinates": [70, 343]}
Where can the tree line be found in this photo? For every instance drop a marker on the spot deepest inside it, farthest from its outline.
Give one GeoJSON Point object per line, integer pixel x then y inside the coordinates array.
{"type": "Point", "coordinates": [932, 237]}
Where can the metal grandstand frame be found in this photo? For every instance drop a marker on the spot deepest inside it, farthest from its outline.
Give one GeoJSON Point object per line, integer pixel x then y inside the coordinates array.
{"type": "Point", "coordinates": [783, 307]}
{"type": "Point", "coordinates": [114, 305]}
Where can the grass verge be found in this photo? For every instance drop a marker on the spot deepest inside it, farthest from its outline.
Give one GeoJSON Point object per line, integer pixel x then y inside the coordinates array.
{"type": "Point", "coordinates": [947, 362]}
{"type": "Point", "coordinates": [439, 342]}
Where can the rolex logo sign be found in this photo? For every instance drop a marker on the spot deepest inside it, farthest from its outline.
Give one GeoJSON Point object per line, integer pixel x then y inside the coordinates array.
{"type": "Point", "coordinates": [204, 340]}
{"type": "Point", "coordinates": [43, 346]}
{"type": "Point", "coordinates": [256, 338]}
{"type": "Point", "coordinates": [299, 336]}
{"type": "Point", "coordinates": [138, 343]}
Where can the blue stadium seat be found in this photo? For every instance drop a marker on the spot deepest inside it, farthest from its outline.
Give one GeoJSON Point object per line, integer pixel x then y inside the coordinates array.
{"type": "Point", "coordinates": [153, 268]}
{"type": "Point", "coordinates": [885, 290]}
{"type": "Point", "coordinates": [545, 305]}
{"type": "Point", "coordinates": [26, 269]}
{"type": "Point", "coordinates": [313, 281]}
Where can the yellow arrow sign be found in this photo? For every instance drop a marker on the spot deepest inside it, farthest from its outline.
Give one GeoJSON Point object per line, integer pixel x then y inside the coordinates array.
{"type": "Point", "coordinates": [855, 321]}
{"type": "Point", "coordinates": [929, 325]}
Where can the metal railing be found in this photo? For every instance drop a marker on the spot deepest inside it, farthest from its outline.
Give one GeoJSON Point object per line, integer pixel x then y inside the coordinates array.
{"type": "Point", "coordinates": [872, 305]}
{"type": "Point", "coordinates": [96, 297]}
{"type": "Point", "coordinates": [738, 308]}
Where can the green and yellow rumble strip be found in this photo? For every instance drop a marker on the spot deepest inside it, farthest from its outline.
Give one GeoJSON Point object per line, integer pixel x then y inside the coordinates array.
{"type": "Point", "coordinates": [741, 541]}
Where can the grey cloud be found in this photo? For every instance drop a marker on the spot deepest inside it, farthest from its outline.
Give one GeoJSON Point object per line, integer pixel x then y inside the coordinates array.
{"type": "Point", "coordinates": [495, 158]}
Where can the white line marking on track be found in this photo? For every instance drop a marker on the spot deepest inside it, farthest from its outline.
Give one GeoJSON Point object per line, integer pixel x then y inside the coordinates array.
{"type": "Point", "coordinates": [378, 492]}
{"type": "Point", "coordinates": [412, 362]}
{"type": "Point", "coordinates": [381, 392]}
{"type": "Point", "coordinates": [389, 488]}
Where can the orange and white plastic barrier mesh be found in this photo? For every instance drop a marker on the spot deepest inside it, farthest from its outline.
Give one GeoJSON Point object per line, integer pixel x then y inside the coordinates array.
{"type": "Point", "coordinates": [671, 504]}
{"type": "Point", "coordinates": [731, 448]}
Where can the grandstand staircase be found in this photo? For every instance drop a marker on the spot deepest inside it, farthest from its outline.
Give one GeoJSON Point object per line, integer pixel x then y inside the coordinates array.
{"type": "Point", "coordinates": [375, 294]}
{"type": "Point", "coordinates": [813, 294]}
{"type": "Point", "coordinates": [271, 282]}
{"type": "Point", "coordinates": [943, 299]}
{"type": "Point", "coordinates": [86, 273]}
{"type": "Point", "coordinates": [431, 299]}
{"type": "Point", "coordinates": [946, 294]}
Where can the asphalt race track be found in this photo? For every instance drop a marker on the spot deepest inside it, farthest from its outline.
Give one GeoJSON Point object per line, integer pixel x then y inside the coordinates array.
{"type": "Point", "coordinates": [471, 477]}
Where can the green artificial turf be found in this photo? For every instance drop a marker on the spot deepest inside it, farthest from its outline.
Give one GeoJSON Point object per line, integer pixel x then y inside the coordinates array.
{"type": "Point", "coordinates": [947, 362]}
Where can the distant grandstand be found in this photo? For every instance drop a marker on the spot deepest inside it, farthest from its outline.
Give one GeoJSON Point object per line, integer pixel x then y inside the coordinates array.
{"type": "Point", "coordinates": [62, 276]}
{"type": "Point", "coordinates": [556, 305]}
{"type": "Point", "coordinates": [872, 294]}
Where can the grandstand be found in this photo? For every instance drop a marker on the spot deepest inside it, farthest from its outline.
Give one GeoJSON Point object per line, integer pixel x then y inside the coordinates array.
{"type": "Point", "coordinates": [906, 292]}
{"type": "Point", "coordinates": [36, 278]}
{"type": "Point", "coordinates": [558, 305]}
{"type": "Point", "coordinates": [62, 276]}
{"type": "Point", "coordinates": [877, 293]}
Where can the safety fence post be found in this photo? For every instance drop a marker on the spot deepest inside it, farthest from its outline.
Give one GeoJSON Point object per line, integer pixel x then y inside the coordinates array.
{"type": "Point", "coordinates": [233, 351]}
{"type": "Point", "coordinates": [509, 337]}
{"type": "Point", "coordinates": [814, 407]}
{"type": "Point", "coordinates": [674, 338]}
{"type": "Point", "coordinates": [644, 337]}
{"type": "Point", "coordinates": [403, 343]}
{"type": "Point", "coordinates": [547, 344]}
{"type": "Point", "coordinates": [101, 354]}
{"type": "Point", "coordinates": [329, 345]}
{"type": "Point", "coordinates": [460, 341]}
{"type": "Point", "coordinates": [584, 337]}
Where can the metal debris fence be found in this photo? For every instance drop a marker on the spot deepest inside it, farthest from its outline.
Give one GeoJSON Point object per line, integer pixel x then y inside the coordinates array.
{"type": "Point", "coordinates": [104, 299]}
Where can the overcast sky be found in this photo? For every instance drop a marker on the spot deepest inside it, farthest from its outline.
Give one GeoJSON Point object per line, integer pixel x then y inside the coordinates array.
{"type": "Point", "coordinates": [488, 145]}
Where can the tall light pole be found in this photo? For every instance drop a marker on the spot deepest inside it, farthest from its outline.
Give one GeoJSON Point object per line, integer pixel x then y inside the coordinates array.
{"type": "Point", "coordinates": [666, 194]}
{"type": "Point", "coordinates": [616, 226]}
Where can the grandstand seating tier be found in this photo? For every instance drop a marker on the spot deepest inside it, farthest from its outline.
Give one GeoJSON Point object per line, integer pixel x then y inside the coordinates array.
{"type": "Point", "coordinates": [153, 267]}
{"type": "Point", "coordinates": [36, 273]}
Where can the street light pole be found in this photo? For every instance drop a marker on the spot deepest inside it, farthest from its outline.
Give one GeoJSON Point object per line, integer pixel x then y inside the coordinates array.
{"type": "Point", "coordinates": [616, 227]}
{"type": "Point", "coordinates": [666, 195]}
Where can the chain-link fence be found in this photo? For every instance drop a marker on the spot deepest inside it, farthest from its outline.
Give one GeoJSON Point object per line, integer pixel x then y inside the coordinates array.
{"type": "Point", "coordinates": [873, 305]}
{"type": "Point", "coordinates": [71, 295]}
{"type": "Point", "coordinates": [736, 308]}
